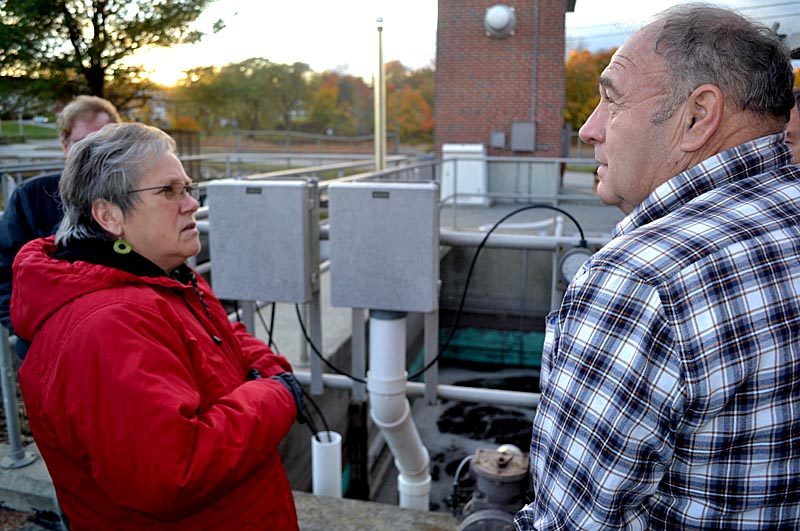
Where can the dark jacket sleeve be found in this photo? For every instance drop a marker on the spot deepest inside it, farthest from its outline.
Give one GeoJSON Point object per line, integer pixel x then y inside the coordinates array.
{"type": "Point", "coordinates": [33, 211]}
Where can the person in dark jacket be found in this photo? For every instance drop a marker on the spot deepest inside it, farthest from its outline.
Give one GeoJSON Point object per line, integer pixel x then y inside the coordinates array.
{"type": "Point", "coordinates": [150, 409]}
{"type": "Point", "coordinates": [34, 209]}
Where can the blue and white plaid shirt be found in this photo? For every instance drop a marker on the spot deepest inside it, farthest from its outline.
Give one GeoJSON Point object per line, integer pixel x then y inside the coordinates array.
{"type": "Point", "coordinates": [671, 373]}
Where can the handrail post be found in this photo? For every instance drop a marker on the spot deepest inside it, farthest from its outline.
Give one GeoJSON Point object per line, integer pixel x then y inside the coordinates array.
{"type": "Point", "coordinates": [431, 340]}
{"type": "Point", "coordinates": [17, 456]}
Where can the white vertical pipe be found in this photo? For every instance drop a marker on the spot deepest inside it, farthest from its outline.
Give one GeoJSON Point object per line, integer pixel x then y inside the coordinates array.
{"type": "Point", "coordinates": [326, 464]}
{"type": "Point", "coordinates": [390, 410]}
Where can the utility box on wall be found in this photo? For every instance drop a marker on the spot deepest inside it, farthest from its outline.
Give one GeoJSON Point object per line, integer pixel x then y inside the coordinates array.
{"type": "Point", "coordinates": [384, 241]}
{"type": "Point", "coordinates": [264, 240]}
{"type": "Point", "coordinates": [464, 172]}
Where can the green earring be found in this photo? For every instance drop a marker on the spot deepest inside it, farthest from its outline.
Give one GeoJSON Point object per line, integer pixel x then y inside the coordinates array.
{"type": "Point", "coordinates": [122, 246]}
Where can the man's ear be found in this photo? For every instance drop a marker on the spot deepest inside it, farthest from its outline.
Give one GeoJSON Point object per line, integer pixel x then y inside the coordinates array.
{"type": "Point", "coordinates": [705, 108]}
{"type": "Point", "coordinates": [108, 216]}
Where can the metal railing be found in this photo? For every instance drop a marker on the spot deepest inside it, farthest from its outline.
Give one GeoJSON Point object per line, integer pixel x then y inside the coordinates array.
{"type": "Point", "coordinates": [425, 170]}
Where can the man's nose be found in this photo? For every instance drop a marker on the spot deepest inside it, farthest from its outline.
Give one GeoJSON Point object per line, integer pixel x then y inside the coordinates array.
{"type": "Point", "coordinates": [593, 131]}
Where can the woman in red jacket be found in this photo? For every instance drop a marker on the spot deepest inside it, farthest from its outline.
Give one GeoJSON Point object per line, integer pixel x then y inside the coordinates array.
{"type": "Point", "coordinates": [150, 409]}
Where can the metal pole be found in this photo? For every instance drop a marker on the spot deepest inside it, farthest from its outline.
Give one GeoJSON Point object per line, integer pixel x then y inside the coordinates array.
{"type": "Point", "coordinates": [512, 241]}
{"type": "Point", "coordinates": [431, 335]}
{"type": "Point", "coordinates": [17, 456]}
{"type": "Point", "coordinates": [379, 90]}
{"type": "Point", "coordinates": [555, 300]}
{"type": "Point", "coordinates": [315, 321]}
{"type": "Point", "coordinates": [249, 315]}
{"type": "Point", "coordinates": [358, 358]}
{"type": "Point", "coordinates": [304, 348]}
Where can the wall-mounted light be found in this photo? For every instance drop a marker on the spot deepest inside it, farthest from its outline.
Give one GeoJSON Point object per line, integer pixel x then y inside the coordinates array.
{"type": "Point", "coordinates": [500, 21]}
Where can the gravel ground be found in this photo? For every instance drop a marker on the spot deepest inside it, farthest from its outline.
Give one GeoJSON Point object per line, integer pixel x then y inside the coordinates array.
{"type": "Point", "coordinates": [41, 521]}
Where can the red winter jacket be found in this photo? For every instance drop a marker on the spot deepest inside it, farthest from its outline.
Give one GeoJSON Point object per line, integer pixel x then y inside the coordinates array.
{"type": "Point", "coordinates": [144, 418]}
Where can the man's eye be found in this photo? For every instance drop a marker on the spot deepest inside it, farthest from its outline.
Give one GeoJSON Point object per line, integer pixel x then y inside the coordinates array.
{"type": "Point", "coordinates": [166, 190]}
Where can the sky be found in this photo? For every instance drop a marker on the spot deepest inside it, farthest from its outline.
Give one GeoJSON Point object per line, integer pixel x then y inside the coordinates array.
{"type": "Point", "coordinates": [342, 35]}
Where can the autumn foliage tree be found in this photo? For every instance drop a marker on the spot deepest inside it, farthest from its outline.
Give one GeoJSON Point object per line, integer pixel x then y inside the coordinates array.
{"type": "Point", "coordinates": [340, 104]}
{"type": "Point", "coordinates": [410, 114]}
{"type": "Point", "coordinates": [258, 94]}
{"type": "Point", "coordinates": [409, 102]}
{"type": "Point", "coordinates": [78, 46]}
{"type": "Point", "coordinates": [583, 70]}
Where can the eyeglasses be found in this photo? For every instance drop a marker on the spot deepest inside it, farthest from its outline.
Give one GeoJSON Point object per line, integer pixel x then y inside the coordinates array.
{"type": "Point", "coordinates": [173, 190]}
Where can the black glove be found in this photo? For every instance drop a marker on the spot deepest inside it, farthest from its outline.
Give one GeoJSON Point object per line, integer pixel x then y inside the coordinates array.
{"type": "Point", "coordinates": [288, 380]}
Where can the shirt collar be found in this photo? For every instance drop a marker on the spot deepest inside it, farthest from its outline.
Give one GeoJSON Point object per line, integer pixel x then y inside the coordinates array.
{"type": "Point", "coordinates": [101, 252]}
{"type": "Point", "coordinates": [745, 160]}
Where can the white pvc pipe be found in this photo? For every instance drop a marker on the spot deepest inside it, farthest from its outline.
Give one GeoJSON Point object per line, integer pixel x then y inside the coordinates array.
{"type": "Point", "coordinates": [476, 395]}
{"type": "Point", "coordinates": [390, 410]}
{"type": "Point", "coordinates": [326, 464]}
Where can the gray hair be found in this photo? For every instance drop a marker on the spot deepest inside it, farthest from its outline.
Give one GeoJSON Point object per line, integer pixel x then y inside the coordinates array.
{"type": "Point", "coordinates": [702, 44]}
{"type": "Point", "coordinates": [106, 165]}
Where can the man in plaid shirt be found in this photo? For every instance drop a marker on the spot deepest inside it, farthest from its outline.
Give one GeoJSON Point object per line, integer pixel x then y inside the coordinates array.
{"type": "Point", "coordinates": [671, 374]}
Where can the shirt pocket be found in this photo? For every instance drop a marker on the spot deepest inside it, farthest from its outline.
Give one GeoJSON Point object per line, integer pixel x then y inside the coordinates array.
{"type": "Point", "coordinates": [552, 332]}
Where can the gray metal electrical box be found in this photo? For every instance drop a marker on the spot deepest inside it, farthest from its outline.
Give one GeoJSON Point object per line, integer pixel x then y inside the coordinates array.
{"type": "Point", "coordinates": [384, 245]}
{"type": "Point", "coordinates": [498, 139]}
{"type": "Point", "coordinates": [264, 240]}
{"type": "Point", "coordinates": [523, 136]}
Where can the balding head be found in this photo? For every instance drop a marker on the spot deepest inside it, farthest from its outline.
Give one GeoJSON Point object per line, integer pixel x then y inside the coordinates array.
{"type": "Point", "coordinates": [702, 44]}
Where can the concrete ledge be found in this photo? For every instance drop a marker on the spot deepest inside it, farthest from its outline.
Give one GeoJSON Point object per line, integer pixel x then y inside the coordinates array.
{"type": "Point", "coordinates": [29, 489]}
{"type": "Point", "coordinates": [26, 489]}
{"type": "Point", "coordinates": [319, 513]}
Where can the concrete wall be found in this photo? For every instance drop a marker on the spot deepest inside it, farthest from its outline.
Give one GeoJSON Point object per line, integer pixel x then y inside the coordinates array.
{"type": "Point", "coordinates": [500, 279]}
{"type": "Point", "coordinates": [523, 178]}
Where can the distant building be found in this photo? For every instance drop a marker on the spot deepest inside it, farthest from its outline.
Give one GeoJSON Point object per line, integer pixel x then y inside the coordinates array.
{"type": "Point", "coordinates": [500, 75]}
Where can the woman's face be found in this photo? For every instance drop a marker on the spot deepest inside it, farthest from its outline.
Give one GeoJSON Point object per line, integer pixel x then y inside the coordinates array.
{"type": "Point", "coordinates": [161, 226]}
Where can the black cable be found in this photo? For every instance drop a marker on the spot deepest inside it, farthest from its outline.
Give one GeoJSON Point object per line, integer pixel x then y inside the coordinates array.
{"type": "Point", "coordinates": [317, 352]}
{"type": "Point", "coordinates": [236, 309]}
{"type": "Point", "coordinates": [581, 243]}
{"type": "Point", "coordinates": [271, 324]}
{"type": "Point", "coordinates": [453, 329]}
{"type": "Point", "coordinates": [321, 416]}
{"type": "Point", "coordinates": [311, 426]}
{"type": "Point", "coordinates": [268, 329]}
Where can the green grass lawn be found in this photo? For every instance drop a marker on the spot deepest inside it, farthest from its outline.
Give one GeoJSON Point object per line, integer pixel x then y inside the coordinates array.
{"type": "Point", "coordinates": [584, 168]}
{"type": "Point", "coordinates": [30, 131]}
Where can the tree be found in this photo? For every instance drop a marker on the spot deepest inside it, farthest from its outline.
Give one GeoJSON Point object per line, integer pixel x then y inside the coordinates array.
{"type": "Point", "coordinates": [326, 113]}
{"type": "Point", "coordinates": [583, 70]}
{"type": "Point", "coordinates": [410, 115]}
{"type": "Point", "coordinates": [201, 97]}
{"type": "Point", "coordinates": [256, 93]}
{"type": "Point", "coordinates": [79, 45]}
{"type": "Point", "coordinates": [290, 84]}
{"type": "Point", "coordinates": [409, 101]}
